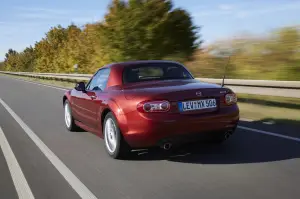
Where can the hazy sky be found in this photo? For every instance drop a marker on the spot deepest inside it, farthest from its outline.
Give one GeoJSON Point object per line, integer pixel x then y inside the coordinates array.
{"type": "Point", "coordinates": [24, 22]}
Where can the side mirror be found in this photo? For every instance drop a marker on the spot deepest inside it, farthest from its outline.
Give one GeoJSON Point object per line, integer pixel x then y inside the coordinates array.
{"type": "Point", "coordinates": [80, 86]}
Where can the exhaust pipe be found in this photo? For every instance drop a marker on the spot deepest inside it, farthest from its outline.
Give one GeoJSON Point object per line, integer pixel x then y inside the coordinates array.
{"type": "Point", "coordinates": [167, 146]}
{"type": "Point", "coordinates": [228, 134]}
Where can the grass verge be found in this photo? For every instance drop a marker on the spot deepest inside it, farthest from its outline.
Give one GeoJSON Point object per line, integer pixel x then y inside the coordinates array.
{"type": "Point", "coordinates": [256, 107]}
{"type": "Point", "coordinates": [270, 108]}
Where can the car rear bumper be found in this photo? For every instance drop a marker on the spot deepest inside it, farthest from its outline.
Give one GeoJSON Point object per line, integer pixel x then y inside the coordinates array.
{"type": "Point", "coordinates": [142, 130]}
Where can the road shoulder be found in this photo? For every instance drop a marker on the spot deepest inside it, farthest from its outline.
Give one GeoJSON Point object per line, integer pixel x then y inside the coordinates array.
{"type": "Point", "coordinates": [43, 179]}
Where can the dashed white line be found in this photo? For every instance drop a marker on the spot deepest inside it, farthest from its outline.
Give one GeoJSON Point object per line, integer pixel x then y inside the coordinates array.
{"type": "Point", "coordinates": [75, 183]}
{"type": "Point", "coordinates": [270, 133]}
{"type": "Point", "coordinates": [19, 180]}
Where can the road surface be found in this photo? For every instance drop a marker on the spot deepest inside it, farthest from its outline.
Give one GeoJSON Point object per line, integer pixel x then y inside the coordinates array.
{"type": "Point", "coordinates": [37, 150]}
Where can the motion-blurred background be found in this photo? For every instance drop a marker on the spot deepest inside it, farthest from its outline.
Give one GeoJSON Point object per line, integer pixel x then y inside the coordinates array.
{"type": "Point", "coordinates": [262, 39]}
{"type": "Point", "coordinates": [261, 36]}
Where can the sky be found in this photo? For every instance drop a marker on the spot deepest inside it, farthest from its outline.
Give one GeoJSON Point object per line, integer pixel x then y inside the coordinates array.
{"type": "Point", "coordinates": [22, 23]}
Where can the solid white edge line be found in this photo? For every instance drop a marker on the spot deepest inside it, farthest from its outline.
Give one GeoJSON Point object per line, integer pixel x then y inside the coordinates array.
{"type": "Point", "coordinates": [75, 183]}
{"type": "Point", "coordinates": [269, 133]}
{"type": "Point", "coordinates": [19, 180]}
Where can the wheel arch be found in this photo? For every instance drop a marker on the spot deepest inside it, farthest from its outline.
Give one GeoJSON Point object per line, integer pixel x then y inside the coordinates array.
{"type": "Point", "coordinates": [116, 111]}
{"type": "Point", "coordinates": [66, 97]}
{"type": "Point", "coordinates": [103, 115]}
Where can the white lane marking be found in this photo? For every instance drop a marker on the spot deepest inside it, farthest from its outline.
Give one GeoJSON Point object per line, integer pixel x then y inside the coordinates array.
{"type": "Point", "coordinates": [269, 122]}
{"type": "Point", "coordinates": [75, 183]}
{"type": "Point", "coordinates": [269, 133]}
{"type": "Point", "coordinates": [180, 155]}
{"type": "Point", "coordinates": [21, 185]}
{"type": "Point", "coordinates": [40, 84]}
{"type": "Point", "coordinates": [246, 120]}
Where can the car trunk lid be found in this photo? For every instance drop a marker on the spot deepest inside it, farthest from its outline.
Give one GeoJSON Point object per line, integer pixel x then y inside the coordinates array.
{"type": "Point", "coordinates": [176, 92]}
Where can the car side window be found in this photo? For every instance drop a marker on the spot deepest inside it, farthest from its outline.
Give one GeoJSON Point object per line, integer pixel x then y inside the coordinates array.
{"type": "Point", "coordinates": [99, 81]}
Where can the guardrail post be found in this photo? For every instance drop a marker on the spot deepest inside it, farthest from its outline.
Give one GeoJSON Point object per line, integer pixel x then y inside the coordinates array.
{"type": "Point", "coordinates": [75, 68]}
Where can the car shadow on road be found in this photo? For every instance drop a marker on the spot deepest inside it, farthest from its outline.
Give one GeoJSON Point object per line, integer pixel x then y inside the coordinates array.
{"type": "Point", "coordinates": [242, 148]}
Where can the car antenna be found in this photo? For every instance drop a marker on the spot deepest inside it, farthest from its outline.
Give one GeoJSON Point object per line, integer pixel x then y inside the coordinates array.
{"type": "Point", "coordinates": [224, 75]}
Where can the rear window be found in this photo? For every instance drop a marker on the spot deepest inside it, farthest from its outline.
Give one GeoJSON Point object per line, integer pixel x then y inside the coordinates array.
{"type": "Point", "coordinates": [154, 71]}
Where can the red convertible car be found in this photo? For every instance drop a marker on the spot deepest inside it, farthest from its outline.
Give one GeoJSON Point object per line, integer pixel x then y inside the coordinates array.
{"type": "Point", "coordinates": [143, 104]}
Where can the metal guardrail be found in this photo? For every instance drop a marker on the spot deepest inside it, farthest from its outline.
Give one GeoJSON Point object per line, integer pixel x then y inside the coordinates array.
{"type": "Point", "coordinates": [53, 76]}
{"type": "Point", "coordinates": [256, 83]}
{"type": "Point", "coordinates": [260, 87]}
{"type": "Point", "coordinates": [236, 82]}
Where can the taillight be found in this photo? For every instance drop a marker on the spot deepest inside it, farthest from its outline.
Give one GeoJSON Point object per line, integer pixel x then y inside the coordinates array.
{"type": "Point", "coordinates": [230, 99]}
{"type": "Point", "coordinates": [153, 106]}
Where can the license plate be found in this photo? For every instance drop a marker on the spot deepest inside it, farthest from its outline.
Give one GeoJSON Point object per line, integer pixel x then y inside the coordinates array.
{"type": "Point", "coordinates": [197, 105]}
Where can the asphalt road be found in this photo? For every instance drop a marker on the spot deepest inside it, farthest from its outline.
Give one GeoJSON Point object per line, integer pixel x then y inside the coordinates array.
{"type": "Point", "coordinates": [58, 164]}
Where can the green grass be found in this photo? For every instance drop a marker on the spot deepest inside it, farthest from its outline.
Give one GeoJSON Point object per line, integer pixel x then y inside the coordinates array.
{"type": "Point", "coordinates": [286, 102]}
{"type": "Point", "coordinates": [270, 108]}
{"type": "Point", "coordinates": [256, 107]}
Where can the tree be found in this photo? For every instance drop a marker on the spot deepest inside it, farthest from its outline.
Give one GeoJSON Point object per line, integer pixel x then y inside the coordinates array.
{"type": "Point", "coordinates": [47, 50]}
{"type": "Point", "coordinates": [11, 60]}
{"type": "Point", "coordinates": [27, 59]}
{"type": "Point", "coordinates": [147, 29]}
{"type": "Point", "coordinates": [2, 66]}
{"type": "Point", "coordinates": [68, 53]}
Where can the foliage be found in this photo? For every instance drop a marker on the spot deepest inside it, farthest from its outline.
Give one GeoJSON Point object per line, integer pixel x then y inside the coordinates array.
{"type": "Point", "coordinates": [155, 29]}
{"type": "Point", "coordinates": [149, 29]}
{"type": "Point", "coordinates": [2, 66]}
{"type": "Point", "coordinates": [275, 56]}
{"type": "Point", "coordinates": [135, 29]}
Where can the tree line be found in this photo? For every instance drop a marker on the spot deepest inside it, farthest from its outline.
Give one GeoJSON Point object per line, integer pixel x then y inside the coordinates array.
{"type": "Point", "coordinates": [131, 30]}
{"type": "Point", "coordinates": [155, 29]}
{"type": "Point", "coordinates": [273, 56]}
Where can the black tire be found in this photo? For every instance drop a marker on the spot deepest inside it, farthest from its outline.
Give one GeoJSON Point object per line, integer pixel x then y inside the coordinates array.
{"type": "Point", "coordinates": [122, 149]}
{"type": "Point", "coordinates": [72, 127]}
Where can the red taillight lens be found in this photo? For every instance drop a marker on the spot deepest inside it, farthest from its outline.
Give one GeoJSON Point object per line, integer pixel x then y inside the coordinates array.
{"type": "Point", "coordinates": [230, 99]}
{"type": "Point", "coordinates": [153, 106]}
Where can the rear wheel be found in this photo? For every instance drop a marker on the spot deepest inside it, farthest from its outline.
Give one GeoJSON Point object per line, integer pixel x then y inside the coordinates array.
{"type": "Point", "coordinates": [69, 120]}
{"type": "Point", "coordinates": [115, 144]}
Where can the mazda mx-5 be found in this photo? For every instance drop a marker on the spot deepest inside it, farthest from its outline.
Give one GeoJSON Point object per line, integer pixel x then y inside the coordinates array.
{"type": "Point", "coordinates": [143, 104]}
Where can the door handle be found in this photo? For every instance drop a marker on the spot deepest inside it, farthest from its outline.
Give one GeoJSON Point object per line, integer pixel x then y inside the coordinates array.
{"type": "Point", "coordinates": [93, 97]}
